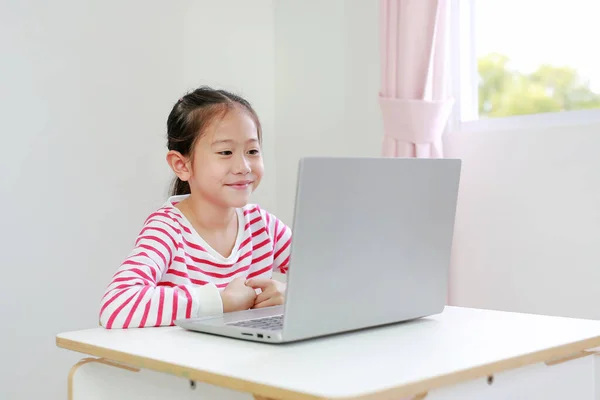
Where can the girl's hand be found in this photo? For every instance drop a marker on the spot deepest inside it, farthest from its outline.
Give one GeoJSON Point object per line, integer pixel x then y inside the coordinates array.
{"type": "Point", "coordinates": [237, 296]}
{"type": "Point", "coordinates": [273, 292]}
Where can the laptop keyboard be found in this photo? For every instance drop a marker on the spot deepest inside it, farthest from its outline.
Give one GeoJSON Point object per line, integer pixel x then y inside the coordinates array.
{"type": "Point", "coordinates": [274, 323]}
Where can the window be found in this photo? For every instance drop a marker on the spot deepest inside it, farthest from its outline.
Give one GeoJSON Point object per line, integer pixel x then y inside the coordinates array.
{"type": "Point", "coordinates": [524, 63]}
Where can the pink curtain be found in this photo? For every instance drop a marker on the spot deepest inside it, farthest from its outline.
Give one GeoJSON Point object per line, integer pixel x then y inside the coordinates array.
{"type": "Point", "coordinates": [414, 97]}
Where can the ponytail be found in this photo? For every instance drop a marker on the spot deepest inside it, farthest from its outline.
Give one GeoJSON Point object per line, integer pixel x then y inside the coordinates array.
{"type": "Point", "coordinates": [180, 187]}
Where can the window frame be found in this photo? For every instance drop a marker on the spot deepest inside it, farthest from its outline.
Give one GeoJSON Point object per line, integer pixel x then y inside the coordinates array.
{"type": "Point", "coordinates": [464, 88]}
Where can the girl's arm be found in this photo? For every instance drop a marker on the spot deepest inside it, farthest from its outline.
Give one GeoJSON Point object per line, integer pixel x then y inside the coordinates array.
{"type": "Point", "coordinates": [282, 238]}
{"type": "Point", "coordinates": [136, 297]}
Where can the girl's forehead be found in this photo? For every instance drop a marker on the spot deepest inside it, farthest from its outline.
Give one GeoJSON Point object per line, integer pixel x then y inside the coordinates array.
{"type": "Point", "coordinates": [214, 138]}
{"type": "Point", "coordinates": [234, 126]}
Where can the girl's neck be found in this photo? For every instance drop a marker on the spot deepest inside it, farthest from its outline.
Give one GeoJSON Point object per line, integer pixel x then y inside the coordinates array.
{"type": "Point", "coordinates": [206, 215]}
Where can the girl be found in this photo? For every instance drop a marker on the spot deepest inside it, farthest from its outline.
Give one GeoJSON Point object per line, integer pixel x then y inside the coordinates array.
{"type": "Point", "coordinates": [206, 250]}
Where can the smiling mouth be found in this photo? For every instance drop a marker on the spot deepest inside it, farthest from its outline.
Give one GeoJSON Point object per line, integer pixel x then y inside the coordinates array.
{"type": "Point", "coordinates": [240, 185]}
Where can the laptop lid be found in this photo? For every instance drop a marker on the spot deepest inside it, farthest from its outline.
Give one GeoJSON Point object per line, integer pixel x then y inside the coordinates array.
{"type": "Point", "coordinates": [371, 242]}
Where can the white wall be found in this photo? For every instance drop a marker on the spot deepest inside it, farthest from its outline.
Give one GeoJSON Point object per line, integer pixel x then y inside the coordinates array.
{"type": "Point", "coordinates": [528, 220]}
{"type": "Point", "coordinates": [86, 90]}
{"type": "Point", "coordinates": [326, 85]}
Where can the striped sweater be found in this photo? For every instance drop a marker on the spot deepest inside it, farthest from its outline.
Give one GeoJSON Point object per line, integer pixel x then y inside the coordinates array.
{"type": "Point", "coordinates": [172, 273]}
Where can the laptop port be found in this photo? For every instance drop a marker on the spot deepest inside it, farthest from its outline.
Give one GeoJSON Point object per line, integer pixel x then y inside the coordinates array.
{"type": "Point", "coordinates": [259, 335]}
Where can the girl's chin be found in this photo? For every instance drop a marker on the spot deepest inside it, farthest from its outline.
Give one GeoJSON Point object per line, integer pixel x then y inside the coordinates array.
{"type": "Point", "coordinates": [238, 199]}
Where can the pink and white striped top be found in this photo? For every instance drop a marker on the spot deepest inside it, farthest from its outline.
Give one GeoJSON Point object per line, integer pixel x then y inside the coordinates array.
{"type": "Point", "coordinates": [173, 273]}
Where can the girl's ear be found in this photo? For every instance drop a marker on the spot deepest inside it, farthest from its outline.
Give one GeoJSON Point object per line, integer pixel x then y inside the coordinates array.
{"type": "Point", "coordinates": [179, 164]}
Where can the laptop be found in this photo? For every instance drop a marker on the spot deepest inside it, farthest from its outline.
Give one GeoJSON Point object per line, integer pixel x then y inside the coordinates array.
{"type": "Point", "coordinates": [371, 246]}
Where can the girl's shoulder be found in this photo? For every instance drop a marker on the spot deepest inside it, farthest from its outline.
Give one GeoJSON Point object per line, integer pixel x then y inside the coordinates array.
{"type": "Point", "coordinates": [254, 216]}
{"type": "Point", "coordinates": [167, 216]}
{"type": "Point", "coordinates": [254, 213]}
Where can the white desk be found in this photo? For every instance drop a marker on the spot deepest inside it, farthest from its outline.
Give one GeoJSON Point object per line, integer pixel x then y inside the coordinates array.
{"type": "Point", "coordinates": [457, 354]}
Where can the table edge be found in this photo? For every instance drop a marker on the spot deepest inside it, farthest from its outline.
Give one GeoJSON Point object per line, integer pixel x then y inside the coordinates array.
{"type": "Point", "coordinates": [406, 390]}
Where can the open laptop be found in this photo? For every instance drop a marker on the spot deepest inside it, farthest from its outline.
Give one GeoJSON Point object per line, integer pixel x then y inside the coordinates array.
{"type": "Point", "coordinates": [371, 246]}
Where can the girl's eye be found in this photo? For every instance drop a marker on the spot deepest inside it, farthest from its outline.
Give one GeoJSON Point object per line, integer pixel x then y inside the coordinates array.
{"type": "Point", "coordinates": [253, 152]}
{"type": "Point", "coordinates": [225, 153]}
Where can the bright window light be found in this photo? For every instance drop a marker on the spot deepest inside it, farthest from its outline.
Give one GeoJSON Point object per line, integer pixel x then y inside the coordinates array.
{"type": "Point", "coordinates": [519, 58]}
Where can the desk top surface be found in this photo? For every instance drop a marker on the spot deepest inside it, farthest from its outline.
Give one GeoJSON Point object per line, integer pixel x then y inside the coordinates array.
{"type": "Point", "coordinates": [397, 360]}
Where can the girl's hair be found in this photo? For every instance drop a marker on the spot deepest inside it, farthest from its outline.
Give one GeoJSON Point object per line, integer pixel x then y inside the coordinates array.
{"type": "Point", "coordinates": [192, 114]}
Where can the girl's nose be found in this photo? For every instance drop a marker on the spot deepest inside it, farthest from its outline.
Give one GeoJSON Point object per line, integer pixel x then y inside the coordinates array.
{"type": "Point", "coordinates": [242, 166]}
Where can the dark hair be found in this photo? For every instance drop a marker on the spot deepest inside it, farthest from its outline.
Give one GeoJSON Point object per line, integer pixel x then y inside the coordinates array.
{"type": "Point", "coordinates": [192, 114]}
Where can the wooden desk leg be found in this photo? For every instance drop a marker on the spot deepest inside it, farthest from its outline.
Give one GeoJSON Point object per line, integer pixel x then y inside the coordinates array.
{"type": "Point", "coordinates": [89, 360]}
{"type": "Point", "coordinates": [262, 398]}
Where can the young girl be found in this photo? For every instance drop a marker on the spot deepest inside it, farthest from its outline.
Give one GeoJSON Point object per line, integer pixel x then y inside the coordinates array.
{"type": "Point", "coordinates": [206, 250]}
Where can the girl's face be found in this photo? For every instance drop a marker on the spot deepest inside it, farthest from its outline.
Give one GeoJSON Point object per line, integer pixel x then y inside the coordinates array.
{"type": "Point", "coordinates": [227, 161]}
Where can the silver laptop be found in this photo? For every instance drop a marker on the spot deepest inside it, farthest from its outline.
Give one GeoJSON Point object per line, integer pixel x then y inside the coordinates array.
{"type": "Point", "coordinates": [371, 246]}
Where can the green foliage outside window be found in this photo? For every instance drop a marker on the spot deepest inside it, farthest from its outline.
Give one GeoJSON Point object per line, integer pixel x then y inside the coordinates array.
{"type": "Point", "coordinates": [506, 92]}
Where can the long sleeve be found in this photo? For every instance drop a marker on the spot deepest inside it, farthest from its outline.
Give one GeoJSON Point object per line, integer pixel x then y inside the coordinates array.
{"type": "Point", "coordinates": [281, 235]}
{"type": "Point", "coordinates": [136, 296]}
